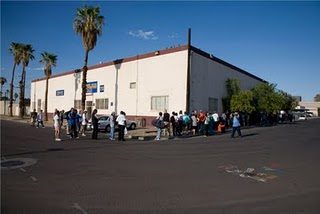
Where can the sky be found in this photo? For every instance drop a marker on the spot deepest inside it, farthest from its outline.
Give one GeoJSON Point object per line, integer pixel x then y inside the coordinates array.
{"type": "Point", "coordinates": [276, 41]}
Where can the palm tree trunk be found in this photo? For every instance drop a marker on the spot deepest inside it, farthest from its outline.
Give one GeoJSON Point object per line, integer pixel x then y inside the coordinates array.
{"type": "Point", "coordinates": [46, 100]}
{"type": "Point", "coordinates": [84, 81]}
{"type": "Point", "coordinates": [11, 89]}
{"type": "Point", "coordinates": [21, 102]}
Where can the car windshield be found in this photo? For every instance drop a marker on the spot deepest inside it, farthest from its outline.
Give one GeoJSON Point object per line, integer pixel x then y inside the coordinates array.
{"type": "Point", "coordinates": [103, 118]}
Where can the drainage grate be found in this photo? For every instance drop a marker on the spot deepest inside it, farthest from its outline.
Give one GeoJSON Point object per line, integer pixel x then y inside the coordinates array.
{"type": "Point", "coordinates": [15, 163]}
{"type": "Point", "coordinates": [11, 163]}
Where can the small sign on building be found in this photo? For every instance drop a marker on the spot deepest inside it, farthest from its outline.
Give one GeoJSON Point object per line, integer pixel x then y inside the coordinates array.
{"type": "Point", "coordinates": [101, 88]}
{"type": "Point", "coordinates": [59, 92]}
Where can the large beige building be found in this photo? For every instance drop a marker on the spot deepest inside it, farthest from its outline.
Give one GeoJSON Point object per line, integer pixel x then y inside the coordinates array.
{"type": "Point", "coordinates": [181, 78]}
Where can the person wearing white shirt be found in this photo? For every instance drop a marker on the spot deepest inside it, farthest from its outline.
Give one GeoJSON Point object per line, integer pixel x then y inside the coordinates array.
{"type": "Point", "coordinates": [83, 123]}
{"type": "Point", "coordinates": [121, 120]}
{"type": "Point", "coordinates": [56, 125]}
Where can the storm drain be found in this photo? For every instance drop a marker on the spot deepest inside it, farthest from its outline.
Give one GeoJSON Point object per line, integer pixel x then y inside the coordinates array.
{"type": "Point", "coordinates": [15, 163]}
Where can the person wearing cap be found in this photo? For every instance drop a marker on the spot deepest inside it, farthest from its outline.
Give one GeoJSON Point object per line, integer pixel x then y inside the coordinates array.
{"type": "Point", "coordinates": [112, 125]}
{"type": "Point", "coordinates": [236, 125]}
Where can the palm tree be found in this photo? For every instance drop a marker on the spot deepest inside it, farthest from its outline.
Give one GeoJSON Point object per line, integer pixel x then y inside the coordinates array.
{"type": "Point", "coordinates": [88, 24]}
{"type": "Point", "coordinates": [2, 82]}
{"type": "Point", "coordinates": [48, 60]}
{"type": "Point", "coordinates": [26, 56]}
{"type": "Point", "coordinates": [16, 50]}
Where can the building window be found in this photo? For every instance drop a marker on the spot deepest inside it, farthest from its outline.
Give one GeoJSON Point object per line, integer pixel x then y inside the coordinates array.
{"type": "Point", "coordinates": [39, 105]}
{"type": "Point", "coordinates": [159, 103]}
{"type": "Point", "coordinates": [77, 104]}
{"type": "Point", "coordinates": [33, 106]}
{"type": "Point", "coordinates": [133, 85]}
{"type": "Point", "coordinates": [213, 105]}
{"type": "Point", "coordinates": [102, 103]}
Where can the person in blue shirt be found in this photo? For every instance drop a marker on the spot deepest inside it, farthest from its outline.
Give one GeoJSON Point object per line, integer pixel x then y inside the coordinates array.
{"type": "Point", "coordinates": [236, 124]}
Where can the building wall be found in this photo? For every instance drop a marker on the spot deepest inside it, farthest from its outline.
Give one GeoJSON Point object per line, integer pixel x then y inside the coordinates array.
{"type": "Point", "coordinates": [163, 75]}
{"type": "Point", "coordinates": [312, 106]}
{"type": "Point", "coordinates": [208, 79]}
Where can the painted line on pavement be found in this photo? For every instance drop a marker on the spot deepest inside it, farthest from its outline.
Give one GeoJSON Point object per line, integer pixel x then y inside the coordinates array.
{"type": "Point", "coordinates": [34, 178]}
{"type": "Point", "coordinates": [22, 169]}
{"type": "Point", "coordinates": [77, 206]}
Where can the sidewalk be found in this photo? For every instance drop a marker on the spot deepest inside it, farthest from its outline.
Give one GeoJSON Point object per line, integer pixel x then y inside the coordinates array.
{"type": "Point", "coordinates": [141, 134]}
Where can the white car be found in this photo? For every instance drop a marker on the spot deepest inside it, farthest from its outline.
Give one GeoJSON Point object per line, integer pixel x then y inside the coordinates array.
{"type": "Point", "coordinates": [104, 124]}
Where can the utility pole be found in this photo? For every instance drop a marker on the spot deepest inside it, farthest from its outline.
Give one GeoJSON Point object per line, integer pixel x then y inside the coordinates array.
{"type": "Point", "coordinates": [188, 73]}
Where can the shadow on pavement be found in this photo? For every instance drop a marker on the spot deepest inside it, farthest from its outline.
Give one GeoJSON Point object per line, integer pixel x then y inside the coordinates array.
{"type": "Point", "coordinates": [50, 150]}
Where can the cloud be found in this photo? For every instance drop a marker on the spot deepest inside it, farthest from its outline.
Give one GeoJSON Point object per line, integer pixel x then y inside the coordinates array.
{"type": "Point", "coordinates": [37, 69]}
{"type": "Point", "coordinates": [173, 36]}
{"type": "Point", "coordinates": [147, 35]}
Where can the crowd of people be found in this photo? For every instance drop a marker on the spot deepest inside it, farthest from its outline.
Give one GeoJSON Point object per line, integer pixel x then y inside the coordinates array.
{"type": "Point", "coordinates": [75, 123]}
{"type": "Point", "coordinates": [196, 123]}
{"type": "Point", "coordinates": [176, 124]}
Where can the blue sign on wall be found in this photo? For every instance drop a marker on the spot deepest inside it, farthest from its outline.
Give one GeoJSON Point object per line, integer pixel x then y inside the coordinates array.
{"type": "Point", "coordinates": [59, 92]}
{"type": "Point", "coordinates": [92, 87]}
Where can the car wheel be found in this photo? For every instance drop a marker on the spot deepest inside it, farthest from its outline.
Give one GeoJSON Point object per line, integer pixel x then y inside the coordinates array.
{"type": "Point", "coordinates": [133, 126]}
{"type": "Point", "coordinates": [108, 129]}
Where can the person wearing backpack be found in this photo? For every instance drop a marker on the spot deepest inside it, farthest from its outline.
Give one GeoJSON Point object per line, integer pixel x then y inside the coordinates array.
{"type": "Point", "coordinates": [158, 125]}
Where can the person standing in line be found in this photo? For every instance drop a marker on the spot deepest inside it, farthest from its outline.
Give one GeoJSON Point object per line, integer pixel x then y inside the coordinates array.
{"type": "Point", "coordinates": [194, 124]}
{"type": "Point", "coordinates": [61, 115]}
{"type": "Point", "coordinates": [73, 123]}
{"type": "Point", "coordinates": [215, 117]}
{"type": "Point", "coordinates": [33, 117]}
{"type": "Point", "coordinates": [40, 119]}
{"type": "Point", "coordinates": [207, 124]}
{"type": "Point", "coordinates": [121, 120]}
{"type": "Point", "coordinates": [201, 120]}
{"type": "Point", "coordinates": [112, 125]}
{"type": "Point", "coordinates": [94, 121]}
{"type": "Point", "coordinates": [236, 124]}
{"type": "Point", "coordinates": [159, 120]}
{"type": "Point", "coordinates": [66, 115]}
{"type": "Point", "coordinates": [173, 124]}
{"type": "Point", "coordinates": [166, 120]}
{"type": "Point", "coordinates": [56, 125]}
{"type": "Point", "coordinates": [83, 123]}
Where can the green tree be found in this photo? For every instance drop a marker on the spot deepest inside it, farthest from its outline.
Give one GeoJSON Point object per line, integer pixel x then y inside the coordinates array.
{"type": "Point", "coordinates": [262, 96]}
{"type": "Point", "coordinates": [233, 88]}
{"type": "Point", "coordinates": [48, 61]}
{"type": "Point", "coordinates": [267, 98]}
{"type": "Point", "coordinates": [242, 101]}
{"type": "Point", "coordinates": [3, 80]}
{"type": "Point", "coordinates": [16, 50]}
{"type": "Point", "coordinates": [26, 56]}
{"type": "Point", "coordinates": [88, 24]}
{"type": "Point", "coordinates": [317, 98]}
{"type": "Point", "coordinates": [289, 102]}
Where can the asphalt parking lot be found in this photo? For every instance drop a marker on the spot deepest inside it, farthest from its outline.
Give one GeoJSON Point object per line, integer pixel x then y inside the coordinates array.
{"type": "Point", "coordinates": [269, 170]}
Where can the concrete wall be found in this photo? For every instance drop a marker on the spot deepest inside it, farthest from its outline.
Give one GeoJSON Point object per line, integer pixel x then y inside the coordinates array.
{"type": "Point", "coordinates": [312, 106]}
{"type": "Point", "coordinates": [208, 79]}
{"type": "Point", "coordinates": [163, 75]}
{"type": "Point", "coordinates": [4, 108]}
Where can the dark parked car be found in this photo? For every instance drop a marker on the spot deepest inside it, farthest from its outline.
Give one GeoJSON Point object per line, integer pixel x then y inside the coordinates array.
{"type": "Point", "coordinates": [104, 124]}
